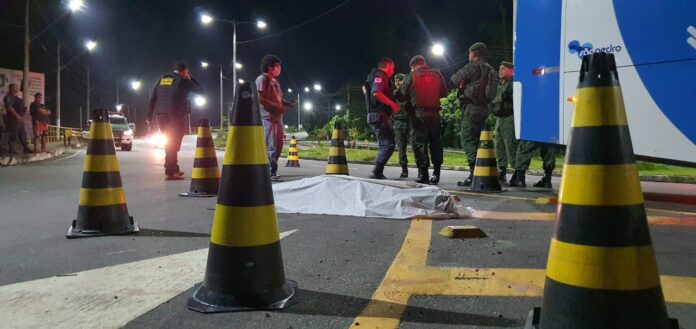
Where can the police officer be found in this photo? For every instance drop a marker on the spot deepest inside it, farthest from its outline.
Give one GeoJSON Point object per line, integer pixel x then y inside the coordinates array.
{"type": "Point", "coordinates": [380, 100]}
{"type": "Point", "coordinates": [505, 142]}
{"type": "Point", "coordinates": [402, 127]}
{"type": "Point", "coordinates": [471, 81]}
{"type": "Point", "coordinates": [170, 103]}
{"type": "Point", "coordinates": [525, 151]}
{"type": "Point", "coordinates": [422, 89]}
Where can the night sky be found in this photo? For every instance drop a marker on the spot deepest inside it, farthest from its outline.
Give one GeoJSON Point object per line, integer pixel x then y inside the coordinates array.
{"type": "Point", "coordinates": [143, 39]}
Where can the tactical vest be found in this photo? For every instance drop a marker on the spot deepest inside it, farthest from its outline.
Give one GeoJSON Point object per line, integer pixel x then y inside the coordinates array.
{"type": "Point", "coordinates": [172, 96]}
{"type": "Point", "coordinates": [373, 105]}
{"type": "Point", "coordinates": [426, 84]}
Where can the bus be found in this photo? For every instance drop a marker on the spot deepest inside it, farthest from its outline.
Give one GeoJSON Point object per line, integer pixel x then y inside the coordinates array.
{"type": "Point", "coordinates": [654, 44]}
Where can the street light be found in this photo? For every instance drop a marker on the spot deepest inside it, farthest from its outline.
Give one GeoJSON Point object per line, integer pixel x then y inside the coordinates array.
{"type": "Point", "coordinates": [199, 100]}
{"type": "Point", "coordinates": [241, 80]}
{"type": "Point", "coordinates": [238, 66]}
{"type": "Point", "coordinates": [204, 64]}
{"type": "Point", "coordinates": [289, 90]}
{"type": "Point", "coordinates": [338, 107]}
{"type": "Point", "coordinates": [307, 106]}
{"type": "Point", "coordinates": [136, 84]}
{"type": "Point", "coordinates": [438, 49]}
{"type": "Point", "coordinates": [317, 87]}
{"type": "Point", "coordinates": [306, 89]}
{"type": "Point", "coordinates": [119, 107]}
{"type": "Point", "coordinates": [90, 45]}
{"type": "Point", "coordinates": [76, 5]}
{"type": "Point", "coordinates": [260, 24]}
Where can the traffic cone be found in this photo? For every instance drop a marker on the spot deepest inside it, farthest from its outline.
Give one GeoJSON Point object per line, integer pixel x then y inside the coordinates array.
{"type": "Point", "coordinates": [338, 164]}
{"type": "Point", "coordinates": [293, 157]}
{"type": "Point", "coordinates": [245, 264]}
{"type": "Point", "coordinates": [102, 206]}
{"type": "Point", "coordinates": [205, 178]}
{"type": "Point", "coordinates": [486, 169]}
{"type": "Point", "coordinates": [601, 271]}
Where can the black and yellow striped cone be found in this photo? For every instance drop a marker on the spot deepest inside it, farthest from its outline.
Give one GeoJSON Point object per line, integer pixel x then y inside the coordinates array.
{"type": "Point", "coordinates": [205, 177]}
{"type": "Point", "coordinates": [486, 167]}
{"type": "Point", "coordinates": [102, 206]}
{"type": "Point", "coordinates": [338, 164]}
{"type": "Point", "coordinates": [245, 264]}
{"type": "Point", "coordinates": [293, 156]}
{"type": "Point", "coordinates": [601, 272]}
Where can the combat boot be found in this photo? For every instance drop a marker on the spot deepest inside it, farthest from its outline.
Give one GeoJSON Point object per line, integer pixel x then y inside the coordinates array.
{"type": "Point", "coordinates": [513, 179]}
{"type": "Point", "coordinates": [435, 179]}
{"type": "Point", "coordinates": [469, 179]}
{"type": "Point", "coordinates": [502, 175]}
{"type": "Point", "coordinates": [378, 172]}
{"type": "Point", "coordinates": [422, 176]}
{"type": "Point", "coordinates": [545, 182]}
{"type": "Point", "coordinates": [404, 171]}
{"type": "Point", "coordinates": [520, 179]}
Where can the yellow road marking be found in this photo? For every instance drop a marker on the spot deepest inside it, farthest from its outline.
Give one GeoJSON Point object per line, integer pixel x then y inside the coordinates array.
{"type": "Point", "coordinates": [409, 276]}
{"type": "Point", "coordinates": [551, 216]}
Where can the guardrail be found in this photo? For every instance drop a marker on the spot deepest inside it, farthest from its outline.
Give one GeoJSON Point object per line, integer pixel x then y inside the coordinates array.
{"type": "Point", "coordinates": [64, 134]}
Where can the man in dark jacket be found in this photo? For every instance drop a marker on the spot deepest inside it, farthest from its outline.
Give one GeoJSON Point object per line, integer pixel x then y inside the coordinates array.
{"type": "Point", "coordinates": [170, 103]}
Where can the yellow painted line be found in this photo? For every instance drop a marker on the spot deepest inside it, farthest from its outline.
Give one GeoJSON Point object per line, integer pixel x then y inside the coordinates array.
{"type": "Point", "coordinates": [389, 301]}
{"type": "Point", "coordinates": [409, 276]}
{"type": "Point", "coordinates": [677, 212]}
{"type": "Point", "coordinates": [610, 268]}
{"type": "Point", "coordinates": [485, 171]}
{"type": "Point", "coordinates": [551, 216]}
{"type": "Point", "coordinates": [102, 196]}
{"type": "Point", "coordinates": [599, 106]}
{"type": "Point", "coordinates": [244, 226]}
{"type": "Point", "coordinates": [100, 130]}
{"type": "Point", "coordinates": [337, 152]}
{"type": "Point", "coordinates": [600, 185]}
{"type": "Point", "coordinates": [100, 163]}
{"type": "Point", "coordinates": [245, 146]}
{"type": "Point", "coordinates": [205, 152]}
{"type": "Point", "coordinates": [205, 173]}
{"type": "Point", "coordinates": [485, 154]}
{"type": "Point", "coordinates": [489, 195]}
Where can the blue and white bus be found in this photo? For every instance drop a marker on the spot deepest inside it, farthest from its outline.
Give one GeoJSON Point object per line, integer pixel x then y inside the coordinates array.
{"type": "Point", "coordinates": [654, 43]}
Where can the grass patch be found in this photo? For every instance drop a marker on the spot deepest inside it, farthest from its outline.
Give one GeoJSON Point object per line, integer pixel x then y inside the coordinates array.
{"type": "Point", "coordinates": [459, 159]}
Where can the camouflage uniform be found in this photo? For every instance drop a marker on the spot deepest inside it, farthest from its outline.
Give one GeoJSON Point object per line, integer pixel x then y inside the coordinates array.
{"type": "Point", "coordinates": [475, 109]}
{"type": "Point", "coordinates": [402, 129]}
{"type": "Point", "coordinates": [505, 142]}
{"type": "Point", "coordinates": [525, 151]}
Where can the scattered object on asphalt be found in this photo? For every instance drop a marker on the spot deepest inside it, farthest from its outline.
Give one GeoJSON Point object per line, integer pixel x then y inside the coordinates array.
{"type": "Point", "coordinates": [462, 231]}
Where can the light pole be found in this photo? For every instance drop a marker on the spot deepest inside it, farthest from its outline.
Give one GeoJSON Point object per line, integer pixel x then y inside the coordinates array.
{"type": "Point", "coordinates": [90, 45]}
{"type": "Point", "coordinates": [205, 65]}
{"type": "Point", "coordinates": [207, 19]}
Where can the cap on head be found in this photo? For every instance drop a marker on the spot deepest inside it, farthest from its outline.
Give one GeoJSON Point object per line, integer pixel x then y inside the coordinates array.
{"type": "Point", "coordinates": [478, 46]}
{"type": "Point", "coordinates": [38, 95]}
{"type": "Point", "coordinates": [399, 76]}
{"type": "Point", "coordinates": [416, 60]}
{"type": "Point", "coordinates": [180, 65]}
{"type": "Point", "coordinates": [507, 64]}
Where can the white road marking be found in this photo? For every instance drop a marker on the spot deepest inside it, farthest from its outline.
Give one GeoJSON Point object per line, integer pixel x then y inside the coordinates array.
{"type": "Point", "coordinates": [70, 156]}
{"type": "Point", "coordinates": [107, 297]}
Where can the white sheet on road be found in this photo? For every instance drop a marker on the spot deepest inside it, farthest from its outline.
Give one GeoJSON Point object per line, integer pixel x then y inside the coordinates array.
{"type": "Point", "coordinates": [362, 197]}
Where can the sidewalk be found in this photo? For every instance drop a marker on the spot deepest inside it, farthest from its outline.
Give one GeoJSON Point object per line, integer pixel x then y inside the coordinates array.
{"type": "Point", "coordinates": [53, 150]}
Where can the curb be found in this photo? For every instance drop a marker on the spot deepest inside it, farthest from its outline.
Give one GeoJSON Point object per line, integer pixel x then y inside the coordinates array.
{"type": "Point", "coordinates": [24, 159]}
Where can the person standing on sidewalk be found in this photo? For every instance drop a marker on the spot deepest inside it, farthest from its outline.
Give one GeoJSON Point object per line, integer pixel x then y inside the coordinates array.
{"type": "Point", "coordinates": [505, 142]}
{"type": "Point", "coordinates": [169, 102]}
{"type": "Point", "coordinates": [14, 119]}
{"type": "Point", "coordinates": [40, 119]}
{"type": "Point", "coordinates": [402, 127]}
{"type": "Point", "coordinates": [272, 106]}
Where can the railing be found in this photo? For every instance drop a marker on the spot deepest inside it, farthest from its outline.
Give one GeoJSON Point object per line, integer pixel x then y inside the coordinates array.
{"type": "Point", "coordinates": [58, 134]}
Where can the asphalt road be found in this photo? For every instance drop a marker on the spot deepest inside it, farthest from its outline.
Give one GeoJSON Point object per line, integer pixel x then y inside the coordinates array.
{"type": "Point", "coordinates": [338, 262]}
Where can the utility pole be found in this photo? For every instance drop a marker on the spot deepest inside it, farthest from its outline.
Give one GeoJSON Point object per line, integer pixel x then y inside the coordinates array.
{"type": "Point", "coordinates": [88, 91]}
{"type": "Point", "coordinates": [27, 41]}
{"type": "Point", "coordinates": [58, 89]}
